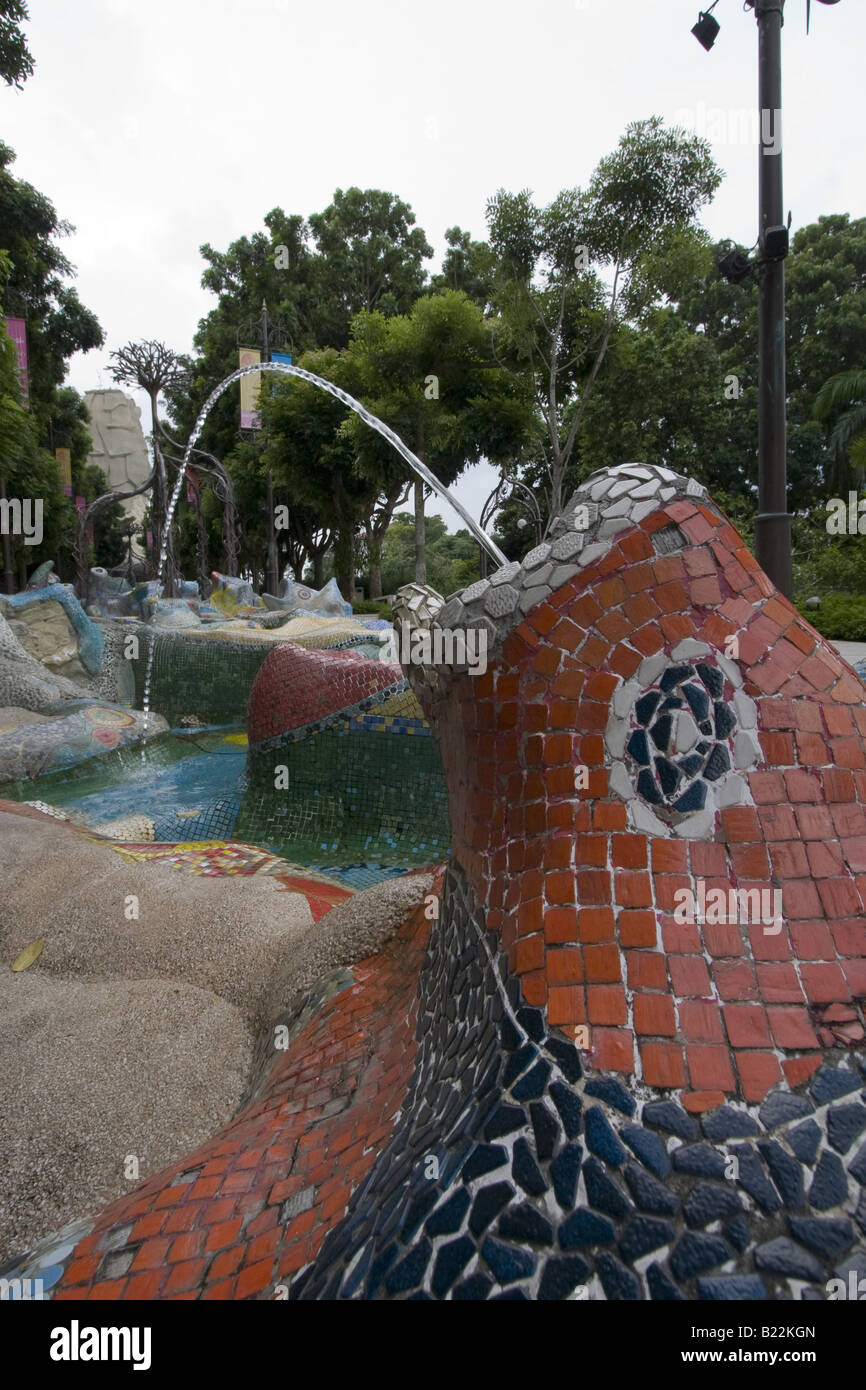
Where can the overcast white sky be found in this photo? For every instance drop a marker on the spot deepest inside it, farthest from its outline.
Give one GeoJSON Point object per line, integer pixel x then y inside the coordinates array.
{"type": "Point", "coordinates": [155, 127]}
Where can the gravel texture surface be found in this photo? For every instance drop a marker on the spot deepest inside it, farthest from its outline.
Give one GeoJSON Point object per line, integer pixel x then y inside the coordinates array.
{"type": "Point", "coordinates": [236, 935]}
{"type": "Point", "coordinates": [137, 1037]}
{"type": "Point", "coordinates": [93, 1073]}
{"type": "Point", "coordinates": [356, 928]}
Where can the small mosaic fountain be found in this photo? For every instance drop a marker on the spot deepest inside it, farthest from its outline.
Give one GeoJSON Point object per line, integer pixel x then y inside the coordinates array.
{"type": "Point", "coordinates": [551, 1084]}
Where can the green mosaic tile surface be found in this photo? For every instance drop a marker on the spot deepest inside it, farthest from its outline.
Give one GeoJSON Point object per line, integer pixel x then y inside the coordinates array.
{"type": "Point", "coordinates": [375, 798]}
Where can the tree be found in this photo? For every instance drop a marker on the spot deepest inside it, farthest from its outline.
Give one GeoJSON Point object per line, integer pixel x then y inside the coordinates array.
{"type": "Point", "coordinates": [841, 405]}
{"type": "Point", "coordinates": [33, 276]}
{"type": "Point", "coordinates": [468, 266]}
{"type": "Point", "coordinates": [363, 250]}
{"type": "Point", "coordinates": [58, 324]}
{"type": "Point", "coordinates": [660, 400]}
{"type": "Point", "coordinates": [313, 457]}
{"type": "Point", "coordinates": [370, 259]}
{"type": "Point", "coordinates": [15, 422]}
{"type": "Point", "coordinates": [635, 223]}
{"type": "Point", "coordinates": [30, 471]}
{"type": "Point", "coordinates": [273, 266]}
{"type": "Point", "coordinates": [430, 375]}
{"type": "Point", "coordinates": [452, 560]}
{"type": "Point", "coordinates": [16, 61]}
{"type": "Point", "coordinates": [154, 368]}
{"type": "Point", "coordinates": [826, 335]}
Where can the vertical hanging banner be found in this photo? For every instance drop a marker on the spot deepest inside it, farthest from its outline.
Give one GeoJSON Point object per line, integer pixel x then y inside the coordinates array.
{"type": "Point", "coordinates": [282, 357]}
{"type": "Point", "coordinates": [17, 330]}
{"type": "Point", "coordinates": [64, 464]}
{"type": "Point", "coordinates": [250, 418]}
{"type": "Point", "coordinates": [191, 487]}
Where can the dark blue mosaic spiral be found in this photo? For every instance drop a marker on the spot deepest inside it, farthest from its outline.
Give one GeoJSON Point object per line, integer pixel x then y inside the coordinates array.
{"type": "Point", "coordinates": [674, 783]}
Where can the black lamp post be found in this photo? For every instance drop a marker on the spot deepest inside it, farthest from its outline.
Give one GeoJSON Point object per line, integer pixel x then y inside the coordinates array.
{"type": "Point", "coordinates": [773, 521]}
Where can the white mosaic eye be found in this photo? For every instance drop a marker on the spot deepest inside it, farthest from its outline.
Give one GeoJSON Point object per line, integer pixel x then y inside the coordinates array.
{"type": "Point", "coordinates": [679, 743]}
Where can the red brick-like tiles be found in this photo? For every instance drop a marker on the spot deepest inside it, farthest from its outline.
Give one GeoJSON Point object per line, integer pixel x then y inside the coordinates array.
{"type": "Point", "coordinates": [256, 1202]}
{"type": "Point", "coordinates": [586, 906]}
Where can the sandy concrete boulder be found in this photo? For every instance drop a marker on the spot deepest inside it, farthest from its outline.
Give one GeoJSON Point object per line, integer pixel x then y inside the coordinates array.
{"type": "Point", "coordinates": [49, 636]}
{"type": "Point", "coordinates": [94, 1074]}
{"type": "Point", "coordinates": [135, 1032]}
{"type": "Point", "coordinates": [13, 717]}
{"type": "Point", "coordinates": [356, 928]}
{"type": "Point", "coordinates": [236, 935]}
{"type": "Point", "coordinates": [24, 681]}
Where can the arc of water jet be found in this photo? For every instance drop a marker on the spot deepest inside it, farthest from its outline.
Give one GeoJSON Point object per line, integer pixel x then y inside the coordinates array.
{"type": "Point", "coordinates": [373, 421]}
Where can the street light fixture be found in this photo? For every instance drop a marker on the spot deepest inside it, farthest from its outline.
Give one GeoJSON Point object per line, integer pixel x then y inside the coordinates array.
{"type": "Point", "coordinates": [735, 267]}
{"type": "Point", "coordinates": [707, 28]}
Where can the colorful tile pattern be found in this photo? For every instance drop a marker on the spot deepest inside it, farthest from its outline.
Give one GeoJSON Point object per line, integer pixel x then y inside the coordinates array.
{"type": "Point", "coordinates": [331, 782]}
{"type": "Point", "coordinates": [518, 1158]}
{"type": "Point", "coordinates": [297, 692]}
{"type": "Point", "coordinates": [241, 1214]}
{"type": "Point", "coordinates": [584, 899]}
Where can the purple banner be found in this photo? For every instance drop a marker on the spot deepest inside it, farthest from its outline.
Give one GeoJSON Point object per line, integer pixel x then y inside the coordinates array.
{"type": "Point", "coordinates": [17, 330]}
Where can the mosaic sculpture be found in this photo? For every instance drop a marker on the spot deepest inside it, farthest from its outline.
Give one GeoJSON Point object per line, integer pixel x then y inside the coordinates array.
{"type": "Point", "coordinates": [341, 762]}
{"type": "Point", "coordinates": [559, 1080]}
{"type": "Point", "coordinates": [48, 720]}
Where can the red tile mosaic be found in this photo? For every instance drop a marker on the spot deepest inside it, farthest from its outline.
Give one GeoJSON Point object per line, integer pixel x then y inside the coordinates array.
{"type": "Point", "coordinates": [235, 1235]}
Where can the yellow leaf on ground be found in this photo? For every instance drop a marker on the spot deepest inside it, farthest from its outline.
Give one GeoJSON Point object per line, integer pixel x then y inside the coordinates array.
{"type": "Point", "coordinates": [28, 955]}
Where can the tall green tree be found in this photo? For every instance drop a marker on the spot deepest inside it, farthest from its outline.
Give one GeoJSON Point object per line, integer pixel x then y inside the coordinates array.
{"type": "Point", "coordinates": [32, 275]}
{"type": "Point", "coordinates": [826, 335]}
{"type": "Point", "coordinates": [370, 259]}
{"type": "Point", "coordinates": [468, 265]}
{"type": "Point", "coordinates": [58, 324]}
{"type": "Point", "coordinates": [431, 376]}
{"type": "Point", "coordinates": [841, 406]}
{"type": "Point", "coordinates": [16, 60]}
{"type": "Point", "coordinates": [314, 461]}
{"type": "Point", "coordinates": [660, 400]}
{"type": "Point", "coordinates": [452, 560]}
{"type": "Point", "coordinates": [635, 226]}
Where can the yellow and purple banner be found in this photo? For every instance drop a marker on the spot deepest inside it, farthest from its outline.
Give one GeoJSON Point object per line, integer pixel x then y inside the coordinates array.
{"type": "Point", "coordinates": [64, 463]}
{"type": "Point", "coordinates": [250, 418]}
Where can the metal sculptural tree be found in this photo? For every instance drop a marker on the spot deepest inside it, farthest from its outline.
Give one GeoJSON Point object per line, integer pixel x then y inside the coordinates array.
{"type": "Point", "coordinates": [80, 555]}
{"type": "Point", "coordinates": [154, 368]}
{"type": "Point", "coordinates": [511, 489]}
{"type": "Point", "coordinates": [225, 491]}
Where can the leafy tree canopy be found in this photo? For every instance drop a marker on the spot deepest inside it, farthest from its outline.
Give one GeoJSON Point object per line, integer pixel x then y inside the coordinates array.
{"type": "Point", "coordinates": [16, 60]}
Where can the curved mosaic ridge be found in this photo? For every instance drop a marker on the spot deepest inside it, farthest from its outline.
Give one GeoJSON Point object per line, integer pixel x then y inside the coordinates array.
{"type": "Point", "coordinates": [238, 1216]}
{"type": "Point", "coordinates": [298, 692]}
{"type": "Point", "coordinates": [655, 640]}
{"type": "Point", "coordinates": [510, 1174]}
{"type": "Point", "coordinates": [568, 857]}
{"type": "Point", "coordinates": [605, 1099]}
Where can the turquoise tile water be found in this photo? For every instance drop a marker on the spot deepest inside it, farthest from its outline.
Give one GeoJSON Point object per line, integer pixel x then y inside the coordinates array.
{"type": "Point", "coordinates": [211, 784]}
